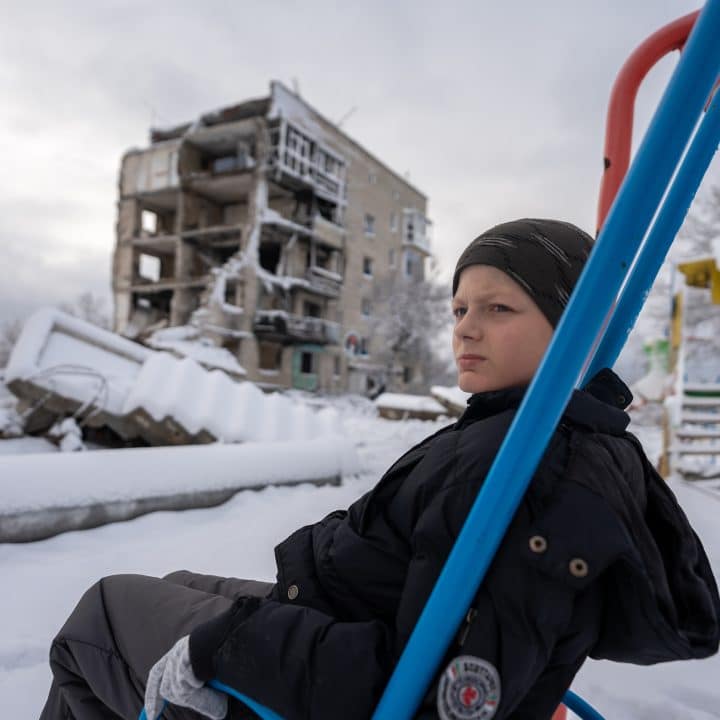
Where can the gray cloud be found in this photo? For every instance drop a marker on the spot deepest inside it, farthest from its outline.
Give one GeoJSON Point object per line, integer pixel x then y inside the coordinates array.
{"type": "Point", "coordinates": [496, 109]}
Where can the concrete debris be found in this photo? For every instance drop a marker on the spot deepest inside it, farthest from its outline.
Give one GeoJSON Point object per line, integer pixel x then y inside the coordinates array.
{"type": "Point", "coordinates": [453, 399]}
{"type": "Point", "coordinates": [397, 406]}
{"type": "Point", "coordinates": [67, 434]}
{"type": "Point", "coordinates": [62, 367]}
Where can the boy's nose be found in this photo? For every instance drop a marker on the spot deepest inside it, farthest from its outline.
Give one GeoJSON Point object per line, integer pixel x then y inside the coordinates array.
{"type": "Point", "coordinates": [470, 326]}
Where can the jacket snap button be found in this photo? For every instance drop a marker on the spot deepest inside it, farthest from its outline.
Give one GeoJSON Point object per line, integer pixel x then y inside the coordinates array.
{"type": "Point", "coordinates": [538, 544]}
{"type": "Point", "coordinates": [578, 568]}
{"type": "Point", "coordinates": [293, 592]}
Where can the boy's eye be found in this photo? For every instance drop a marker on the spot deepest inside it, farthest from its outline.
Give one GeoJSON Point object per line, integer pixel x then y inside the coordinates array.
{"type": "Point", "coordinates": [499, 308]}
{"type": "Point", "coordinates": [458, 312]}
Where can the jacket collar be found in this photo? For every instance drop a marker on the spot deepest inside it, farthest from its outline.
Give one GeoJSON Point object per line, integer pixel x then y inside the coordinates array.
{"type": "Point", "coordinates": [599, 406]}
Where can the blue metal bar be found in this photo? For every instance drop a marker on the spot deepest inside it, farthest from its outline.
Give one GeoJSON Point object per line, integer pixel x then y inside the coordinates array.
{"type": "Point", "coordinates": [687, 180]}
{"type": "Point", "coordinates": [261, 710]}
{"type": "Point", "coordinates": [582, 709]}
{"type": "Point", "coordinates": [553, 384]}
{"type": "Point", "coordinates": [569, 350]}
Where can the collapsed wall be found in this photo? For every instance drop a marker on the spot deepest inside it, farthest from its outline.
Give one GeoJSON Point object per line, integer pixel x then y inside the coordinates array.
{"type": "Point", "coordinates": [62, 366]}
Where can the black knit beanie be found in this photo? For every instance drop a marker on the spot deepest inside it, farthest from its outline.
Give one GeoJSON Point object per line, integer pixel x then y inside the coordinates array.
{"type": "Point", "coordinates": [545, 257]}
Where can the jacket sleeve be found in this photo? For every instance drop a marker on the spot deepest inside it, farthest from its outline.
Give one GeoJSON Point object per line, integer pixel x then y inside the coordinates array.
{"type": "Point", "coordinates": [297, 661]}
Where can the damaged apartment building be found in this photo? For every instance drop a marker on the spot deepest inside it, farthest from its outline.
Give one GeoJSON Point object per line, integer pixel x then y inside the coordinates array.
{"type": "Point", "coordinates": [263, 229]}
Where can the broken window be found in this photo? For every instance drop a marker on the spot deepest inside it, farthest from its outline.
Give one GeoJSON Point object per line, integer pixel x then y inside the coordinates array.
{"type": "Point", "coordinates": [149, 267]}
{"type": "Point", "coordinates": [224, 252]}
{"type": "Point", "coordinates": [159, 301]}
{"type": "Point", "coordinates": [230, 293]}
{"type": "Point", "coordinates": [366, 307]}
{"type": "Point", "coordinates": [224, 164]}
{"type": "Point", "coordinates": [148, 222]}
{"type": "Point", "coordinates": [328, 210]}
{"type": "Point", "coordinates": [336, 365]}
{"type": "Point", "coordinates": [232, 345]}
{"type": "Point", "coordinates": [407, 374]}
{"type": "Point", "coordinates": [367, 266]}
{"type": "Point", "coordinates": [270, 256]}
{"type": "Point", "coordinates": [270, 356]}
{"type": "Point", "coordinates": [322, 257]}
{"type": "Point", "coordinates": [307, 363]}
{"type": "Point", "coordinates": [298, 151]}
{"type": "Point", "coordinates": [311, 309]}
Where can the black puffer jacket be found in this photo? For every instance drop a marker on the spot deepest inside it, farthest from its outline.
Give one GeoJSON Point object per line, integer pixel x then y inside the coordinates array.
{"type": "Point", "coordinates": [599, 560]}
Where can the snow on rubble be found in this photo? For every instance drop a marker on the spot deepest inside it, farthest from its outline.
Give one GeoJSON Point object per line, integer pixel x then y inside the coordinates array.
{"type": "Point", "coordinates": [186, 341]}
{"type": "Point", "coordinates": [70, 374]}
{"type": "Point", "coordinates": [66, 366]}
{"type": "Point", "coordinates": [396, 406]}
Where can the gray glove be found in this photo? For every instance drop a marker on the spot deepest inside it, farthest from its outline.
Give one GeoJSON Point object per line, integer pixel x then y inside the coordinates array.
{"type": "Point", "coordinates": [173, 679]}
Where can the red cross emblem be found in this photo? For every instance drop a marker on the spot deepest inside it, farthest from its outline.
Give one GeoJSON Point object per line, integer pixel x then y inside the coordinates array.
{"type": "Point", "coordinates": [468, 695]}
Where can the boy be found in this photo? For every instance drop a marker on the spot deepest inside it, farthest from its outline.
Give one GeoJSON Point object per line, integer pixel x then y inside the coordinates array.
{"type": "Point", "coordinates": [599, 559]}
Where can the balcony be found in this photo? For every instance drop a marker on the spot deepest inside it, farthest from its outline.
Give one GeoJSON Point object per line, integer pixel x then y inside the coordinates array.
{"type": "Point", "coordinates": [284, 327]}
{"type": "Point", "coordinates": [298, 157]}
{"type": "Point", "coordinates": [154, 170]}
{"type": "Point", "coordinates": [324, 282]}
{"type": "Point", "coordinates": [417, 231]}
{"type": "Point", "coordinates": [328, 232]}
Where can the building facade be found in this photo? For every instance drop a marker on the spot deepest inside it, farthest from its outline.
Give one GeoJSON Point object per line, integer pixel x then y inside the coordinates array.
{"type": "Point", "coordinates": [266, 230]}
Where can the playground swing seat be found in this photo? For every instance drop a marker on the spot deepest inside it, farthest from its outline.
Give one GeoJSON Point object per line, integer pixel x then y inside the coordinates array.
{"type": "Point", "coordinates": [651, 204]}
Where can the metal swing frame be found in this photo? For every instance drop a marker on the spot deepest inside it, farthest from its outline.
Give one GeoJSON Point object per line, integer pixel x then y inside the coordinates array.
{"type": "Point", "coordinates": [638, 227]}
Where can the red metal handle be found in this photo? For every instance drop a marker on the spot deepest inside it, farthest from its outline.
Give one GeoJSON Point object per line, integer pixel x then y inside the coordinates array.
{"type": "Point", "coordinates": [618, 128]}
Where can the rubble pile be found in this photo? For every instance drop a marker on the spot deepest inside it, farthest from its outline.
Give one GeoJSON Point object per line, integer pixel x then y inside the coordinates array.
{"type": "Point", "coordinates": [68, 375]}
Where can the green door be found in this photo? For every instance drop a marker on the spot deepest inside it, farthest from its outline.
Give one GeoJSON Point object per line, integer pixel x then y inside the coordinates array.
{"type": "Point", "coordinates": [305, 367]}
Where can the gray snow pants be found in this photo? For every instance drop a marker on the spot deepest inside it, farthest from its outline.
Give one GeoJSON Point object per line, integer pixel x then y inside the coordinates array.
{"type": "Point", "coordinates": [122, 625]}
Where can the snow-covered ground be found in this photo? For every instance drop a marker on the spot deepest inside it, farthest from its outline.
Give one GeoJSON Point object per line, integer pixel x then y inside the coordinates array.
{"type": "Point", "coordinates": [42, 581]}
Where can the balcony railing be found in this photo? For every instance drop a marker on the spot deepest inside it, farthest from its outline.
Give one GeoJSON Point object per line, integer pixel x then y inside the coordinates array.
{"type": "Point", "coordinates": [417, 230]}
{"type": "Point", "coordinates": [300, 155]}
{"type": "Point", "coordinates": [296, 328]}
{"type": "Point", "coordinates": [328, 232]}
{"type": "Point", "coordinates": [323, 281]}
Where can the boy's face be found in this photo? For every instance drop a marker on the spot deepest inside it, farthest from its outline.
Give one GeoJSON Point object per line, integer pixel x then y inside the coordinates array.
{"type": "Point", "coordinates": [500, 334]}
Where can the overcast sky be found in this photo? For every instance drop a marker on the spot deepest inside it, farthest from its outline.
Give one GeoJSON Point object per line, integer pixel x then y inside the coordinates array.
{"type": "Point", "coordinates": [495, 109]}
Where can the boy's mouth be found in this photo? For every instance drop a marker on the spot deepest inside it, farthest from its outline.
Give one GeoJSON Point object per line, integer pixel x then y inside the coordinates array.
{"type": "Point", "coordinates": [467, 361]}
